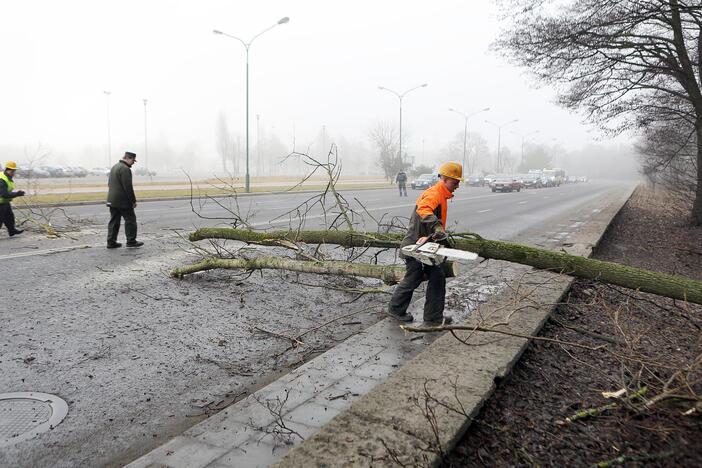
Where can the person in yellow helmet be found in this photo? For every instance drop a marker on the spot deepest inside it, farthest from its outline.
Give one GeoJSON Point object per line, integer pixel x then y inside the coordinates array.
{"type": "Point", "coordinates": [7, 193]}
{"type": "Point", "coordinates": [427, 220]}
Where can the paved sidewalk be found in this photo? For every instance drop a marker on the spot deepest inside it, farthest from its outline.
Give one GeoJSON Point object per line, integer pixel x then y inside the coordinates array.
{"type": "Point", "coordinates": [261, 428]}
{"type": "Point", "coordinates": [366, 401]}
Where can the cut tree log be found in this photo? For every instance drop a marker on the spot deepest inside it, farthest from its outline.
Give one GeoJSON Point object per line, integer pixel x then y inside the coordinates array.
{"type": "Point", "coordinates": [388, 274]}
{"type": "Point", "coordinates": [673, 286]}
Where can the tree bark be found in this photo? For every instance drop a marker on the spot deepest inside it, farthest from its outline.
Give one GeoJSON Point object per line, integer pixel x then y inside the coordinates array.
{"type": "Point", "coordinates": [697, 204]}
{"type": "Point", "coordinates": [389, 274]}
{"type": "Point", "coordinates": [673, 286]}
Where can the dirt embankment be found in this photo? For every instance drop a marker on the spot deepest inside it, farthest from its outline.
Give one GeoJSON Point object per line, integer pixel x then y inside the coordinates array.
{"type": "Point", "coordinates": [649, 347]}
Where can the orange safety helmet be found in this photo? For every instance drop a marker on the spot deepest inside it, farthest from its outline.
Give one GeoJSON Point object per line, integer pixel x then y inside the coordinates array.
{"type": "Point", "coordinates": [11, 165]}
{"type": "Point", "coordinates": [452, 169]}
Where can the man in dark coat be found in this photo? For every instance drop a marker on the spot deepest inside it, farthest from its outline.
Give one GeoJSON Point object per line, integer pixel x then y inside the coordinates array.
{"type": "Point", "coordinates": [122, 201]}
{"type": "Point", "coordinates": [401, 180]}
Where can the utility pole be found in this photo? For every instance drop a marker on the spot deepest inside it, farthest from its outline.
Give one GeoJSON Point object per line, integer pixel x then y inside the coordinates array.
{"type": "Point", "coordinates": [109, 142]}
{"type": "Point", "coordinates": [146, 142]}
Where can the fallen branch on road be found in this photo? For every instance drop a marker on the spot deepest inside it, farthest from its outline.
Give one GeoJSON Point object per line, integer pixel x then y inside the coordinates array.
{"type": "Point", "coordinates": [673, 286]}
{"type": "Point", "coordinates": [389, 274]}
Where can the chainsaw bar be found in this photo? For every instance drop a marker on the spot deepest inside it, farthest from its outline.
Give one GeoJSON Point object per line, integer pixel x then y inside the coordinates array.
{"type": "Point", "coordinates": [432, 253]}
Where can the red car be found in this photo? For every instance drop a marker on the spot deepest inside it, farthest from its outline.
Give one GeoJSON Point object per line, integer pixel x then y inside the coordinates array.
{"type": "Point", "coordinates": [506, 184]}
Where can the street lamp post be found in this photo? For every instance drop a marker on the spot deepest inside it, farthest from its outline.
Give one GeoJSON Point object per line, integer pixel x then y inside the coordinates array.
{"type": "Point", "coordinates": [465, 129]}
{"type": "Point", "coordinates": [524, 135]}
{"type": "Point", "coordinates": [146, 141]}
{"type": "Point", "coordinates": [499, 135]}
{"type": "Point", "coordinates": [400, 96]}
{"type": "Point", "coordinates": [247, 45]}
{"type": "Point", "coordinates": [109, 142]}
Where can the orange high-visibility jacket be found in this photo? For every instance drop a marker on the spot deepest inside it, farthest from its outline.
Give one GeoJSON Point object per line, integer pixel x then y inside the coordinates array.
{"type": "Point", "coordinates": [430, 209]}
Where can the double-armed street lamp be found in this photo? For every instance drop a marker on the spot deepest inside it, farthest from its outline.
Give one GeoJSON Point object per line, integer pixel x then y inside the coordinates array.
{"type": "Point", "coordinates": [524, 136]}
{"type": "Point", "coordinates": [400, 96]}
{"type": "Point", "coordinates": [465, 128]}
{"type": "Point", "coordinates": [499, 135]}
{"type": "Point", "coordinates": [247, 45]}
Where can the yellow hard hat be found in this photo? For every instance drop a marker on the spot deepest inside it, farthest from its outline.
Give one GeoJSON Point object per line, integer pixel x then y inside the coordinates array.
{"type": "Point", "coordinates": [452, 169]}
{"type": "Point", "coordinates": [11, 165]}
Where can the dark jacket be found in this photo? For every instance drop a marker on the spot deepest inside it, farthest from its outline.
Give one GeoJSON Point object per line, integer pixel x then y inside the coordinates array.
{"type": "Point", "coordinates": [120, 193]}
{"type": "Point", "coordinates": [401, 178]}
{"type": "Point", "coordinates": [429, 214]}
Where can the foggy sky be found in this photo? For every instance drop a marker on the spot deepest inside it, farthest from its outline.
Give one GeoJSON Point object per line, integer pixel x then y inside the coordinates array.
{"type": "Point", "coordinates": [322, 68]}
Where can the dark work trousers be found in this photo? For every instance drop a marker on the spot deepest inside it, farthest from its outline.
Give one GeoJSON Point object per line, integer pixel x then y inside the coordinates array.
{"type": "Point", "coordinates": [403, 188]}
{"type": "Point", "coordinates": [436, 290]}
{"type": "Point", "coordinates": [130, 224]}
{"type": "Point", "coordinates": [7, 217]}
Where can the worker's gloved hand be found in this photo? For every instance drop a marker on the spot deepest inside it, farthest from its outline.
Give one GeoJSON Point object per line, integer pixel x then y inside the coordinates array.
{"type": "Point", "coordinates": [440, 236]}
{"type": "Point", "coordinates": [20, 193]}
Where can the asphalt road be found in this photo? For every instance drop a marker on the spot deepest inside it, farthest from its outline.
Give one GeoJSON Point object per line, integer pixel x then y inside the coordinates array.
{"type": "Point", "coordinates": [140, 356]}
{"type": "Point", "coordinates": [493, 215]}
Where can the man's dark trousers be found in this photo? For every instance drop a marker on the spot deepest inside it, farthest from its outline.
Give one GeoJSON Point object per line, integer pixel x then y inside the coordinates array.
{"type": "Point", "coordinates": [436, 290]}
{"type": "Point", "coordinates": [7, 217]}
{"type": "Point", "coordinates": [130, 224]}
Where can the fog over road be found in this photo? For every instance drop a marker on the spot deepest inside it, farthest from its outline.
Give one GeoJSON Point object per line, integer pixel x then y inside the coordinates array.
{"type": "Point", "coordinates": [139, 356]}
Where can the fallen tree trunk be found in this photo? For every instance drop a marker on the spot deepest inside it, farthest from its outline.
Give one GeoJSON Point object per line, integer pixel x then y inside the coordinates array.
{"type": "Point", "coordinates": [388, 274]}
{"type": "Point", "coordinates": [673, 286]}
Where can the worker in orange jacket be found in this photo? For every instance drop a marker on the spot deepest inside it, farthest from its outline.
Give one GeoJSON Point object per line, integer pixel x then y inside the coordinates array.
{"type": "Point", "coordinates": [428, 219]}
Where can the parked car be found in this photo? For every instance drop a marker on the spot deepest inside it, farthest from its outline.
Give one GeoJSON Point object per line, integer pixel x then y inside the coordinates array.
{"type": "Point", "coordinates": [506, 184]}
{"type": "Point", "coordinates": [99, 171]}
{"type": "Point", "coordinates": [476, 181]}
{"type": "Point", "coordinates": [54, 171]}
{"type": "Point", "coordinates": [142, 171]}
{"type": "Point", "coordinates": [424, 181]}
{"type": "Point", "coordinates": [531, 181]}
{"type": "Point", "coordinates": [74, 171]}
{"type": "Point", "coordinates": [29, 172]}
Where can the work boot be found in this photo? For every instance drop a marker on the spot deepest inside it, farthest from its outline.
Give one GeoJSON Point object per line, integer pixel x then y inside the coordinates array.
{"type": "Point", "coordinates": [135, 244]}
{"type": "Point", "coordinates": [113, 245]}
{"type": "Point", "coordinates": [16, 232]}
{"type": "Point", "coordinates": [405, 317]}
{"type": "Point", "coordinates": [445, 320]}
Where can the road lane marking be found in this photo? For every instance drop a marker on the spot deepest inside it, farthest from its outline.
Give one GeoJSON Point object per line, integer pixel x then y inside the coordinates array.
{"type": "Point", "coordinates": [484, 211]}
{"type": "Point", "coordinates": [521, 202]}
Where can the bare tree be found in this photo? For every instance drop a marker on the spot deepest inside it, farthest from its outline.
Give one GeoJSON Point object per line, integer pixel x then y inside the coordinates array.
{"type": "Point", "coordinates": [226, 145]}
{"type": "Point", "coordinates": [620, 61]}
{"type": "Point", "coordinates": [669, 157]}
{"type": "Point", "coordinates": [384, 137]}
{"type": "Point", "coordinates": [535, 157]}
{"type": "Point", "coordinates": [476, 150]}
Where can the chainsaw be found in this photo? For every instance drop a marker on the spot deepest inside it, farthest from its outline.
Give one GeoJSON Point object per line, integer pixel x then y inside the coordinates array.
{"type": "Point", "coordinates": [432, 253]}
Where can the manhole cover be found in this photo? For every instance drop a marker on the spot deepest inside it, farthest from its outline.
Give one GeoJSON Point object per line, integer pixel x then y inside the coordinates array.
{"type": "Point", "coordinates": [24, 415]}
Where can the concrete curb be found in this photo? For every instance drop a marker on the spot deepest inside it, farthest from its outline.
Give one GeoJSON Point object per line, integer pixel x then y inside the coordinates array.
{"type": "Point", "coordinates": [422, 410]}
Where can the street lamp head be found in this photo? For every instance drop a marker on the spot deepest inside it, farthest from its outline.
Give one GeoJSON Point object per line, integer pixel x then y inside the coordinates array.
{"type": "Point", "coordinates": [451, 109]}
{"type": "Point", "coordinates": [216, 31]}
{"type": "Point", "coordinates": [381, 87]}
{"type": "Point", "coordinates": [425, 85]}
{"type": "Point", "coordinates": [283, 20]}
{"type": "Point", "coordinates": [486, 109]}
